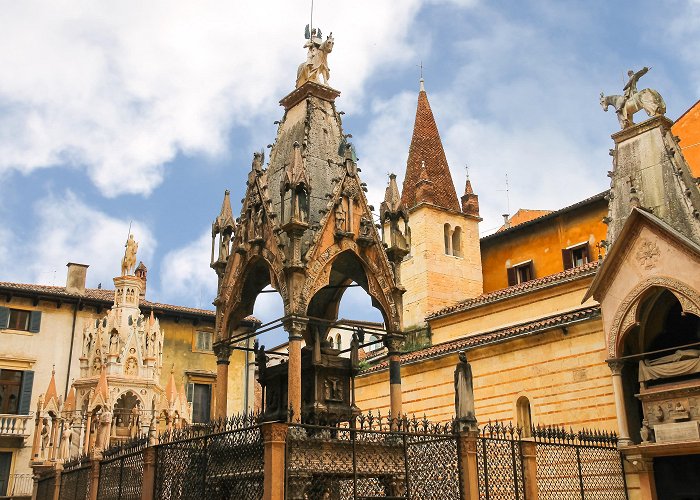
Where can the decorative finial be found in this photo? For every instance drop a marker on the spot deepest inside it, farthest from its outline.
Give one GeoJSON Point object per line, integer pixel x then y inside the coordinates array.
{"type": "Point", "coordinates": [466, 166]}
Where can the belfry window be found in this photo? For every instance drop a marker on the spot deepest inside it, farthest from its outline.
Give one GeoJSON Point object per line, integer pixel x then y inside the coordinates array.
{"type": "Point", "coordinates": [457, 242]}
{"type": "Point", "coordinates": [448, 239]}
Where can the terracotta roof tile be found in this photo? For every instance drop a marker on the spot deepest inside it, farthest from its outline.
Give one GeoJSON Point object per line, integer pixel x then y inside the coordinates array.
{"type": "Point", "coordinates": [494, 336]}
{"type": "Point", "coordinates": [512, 291]}
{"type": "Point", "coordinates": [106, 296]}
{"type": "Point", "coordinates": [426, 146]}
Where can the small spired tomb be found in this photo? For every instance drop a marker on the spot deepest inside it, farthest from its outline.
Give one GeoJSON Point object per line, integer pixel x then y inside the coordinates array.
{"type": "Point", "coordinates": [306, 229]}
{"type": "Point", "coordinates": [118, 395]}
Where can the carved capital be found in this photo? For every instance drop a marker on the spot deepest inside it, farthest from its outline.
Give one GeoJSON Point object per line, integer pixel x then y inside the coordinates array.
{"type": "Point", "coordinates": [392, 341]}
{"type": "Point", "coordinates": [295, 326]}
{"type": "Point", "coordinates": [276, 432]}
{"type": "Point", "coordinates": [616, 366]}
{"type": "Point", "coordinates": [149, 455]}
{"type": "Point", "coordinates": [640, 463]}
{"type": "Point", "coordinates": [223, 353]}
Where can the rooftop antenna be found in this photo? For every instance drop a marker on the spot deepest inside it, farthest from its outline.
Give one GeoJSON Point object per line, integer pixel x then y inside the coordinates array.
{"type": "Point", "coordinates": [311, 23]}
{"type": "Point", "coordinates": [507, 191]}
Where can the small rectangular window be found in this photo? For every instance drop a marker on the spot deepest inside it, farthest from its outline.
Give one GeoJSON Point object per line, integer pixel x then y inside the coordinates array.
{"type": "Point", "coordinates": [520, 273]}
{"type": "Point", "coordinates": [575, 256]}
{"type": "Point", "coordinates": [20, 319]}
{"type": "Point", "coordinates": [201, 402]}
{"type": "Point", "coordinates": [203, 341]}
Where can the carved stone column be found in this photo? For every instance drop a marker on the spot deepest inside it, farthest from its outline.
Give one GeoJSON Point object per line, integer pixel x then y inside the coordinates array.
{"type": "Point", "coordinates": [94, 474]}
{"type": "Point", "coordinates": [644, 467]}
{"type": "Point", "coordinates": [529, 453]}
{"type": "Point", "coordinates": [392, 342]}
{"type": "Point", "coordinates": [36, 443]}
{"type": "Point", "coordinates": [468, 466]}
{"type": "Point", "coordinates": [223, 359]}
{"type": "Point", "coordinates": [619, 395]}
{"type": "Point", "coordinates": [295, 328]}
{"type": "Point", "coordinates": [275, 439]}
{"type": "Point", "coordinates": [149, 473]}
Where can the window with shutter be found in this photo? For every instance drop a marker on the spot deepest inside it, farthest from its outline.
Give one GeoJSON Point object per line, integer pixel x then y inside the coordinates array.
{"type": "Point", "coordinates": [25, 396]}
{"type": "Point", "coordinates": [4, 317]}
{"type": "Point", "coordinates": [512, 277]}
{"type": "Point", "coordinates": [520, 273]}
{"type": "Point", "coordinates": [566, 258]}
{"type": "Point", "coordinates": [575, 255]}
{"type": "Point", "coordinates": [35, 321]}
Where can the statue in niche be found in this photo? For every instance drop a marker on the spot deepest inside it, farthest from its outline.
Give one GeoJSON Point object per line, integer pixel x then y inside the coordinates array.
{"type": "Point", "coordinates": [87, 340]}
{"type": "Point", "coordinates": [103, 430]}
{"type": "Point", "coordinates": [340, 217]}
{"type": "Point", "coordinates": [225, 245]}
{"type": "Point", "coordinates": [301, 208]}
{"type": "Point", "coordinates": [114, 343]}
{"type": "Point", "coordinates": [258, 224]}
{"type": "Point", "coordinates": [646, 433]}
{"type": "Point", "coordinates": [66, 438]}
{"type": "Point", "coordinates": [631, 101]}
{"type": "Point", "coordinates": [129, 260]}
{"type": "Point", "coordinates": [464, 394]}
{"type": "Point", "coordinates": [365, 227]}
{"type": "Point", "coordinates": [45, 436]}
{"type": "Point", "coordinates": [134, 420]}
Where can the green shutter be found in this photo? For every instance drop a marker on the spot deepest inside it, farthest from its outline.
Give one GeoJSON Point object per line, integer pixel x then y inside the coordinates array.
{"type": "Point", "coordinates": [4, 317]}
{"type": "Point", "coordinates": [25, 394]}
{"type": "Point", "coordinates": [34, 321]}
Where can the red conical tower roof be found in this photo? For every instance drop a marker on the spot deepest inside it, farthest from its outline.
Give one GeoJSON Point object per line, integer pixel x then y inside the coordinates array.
{"type": "Point", "coordinates": [426, 146]}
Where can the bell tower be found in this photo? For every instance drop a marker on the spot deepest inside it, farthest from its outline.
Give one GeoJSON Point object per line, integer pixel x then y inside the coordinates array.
{"type": "Point", "coordinates": [444, 260]}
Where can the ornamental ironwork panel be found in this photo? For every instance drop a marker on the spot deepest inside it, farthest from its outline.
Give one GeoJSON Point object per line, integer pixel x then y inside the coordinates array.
{"type": "Point", "coordinates": [584, 465]}
{"type": "Point", "coordinates": [121, 471]}
{"type": "Point", "coordinates": [46, 486]}
{"type": "Point", "coordinates": [224, 460]}
{"type": "Point", "coordinates": [372, 457]}
{"type": "Point", "coordinates": [75, 479]}
{"type": "Point", "coordinates": [500, 463]}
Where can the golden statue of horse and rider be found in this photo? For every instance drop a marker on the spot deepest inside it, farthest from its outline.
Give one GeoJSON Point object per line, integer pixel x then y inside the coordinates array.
{"type": "Point", "coordinates": [631, 101]}
{"type": "Point", "coordinates": [316, 64]}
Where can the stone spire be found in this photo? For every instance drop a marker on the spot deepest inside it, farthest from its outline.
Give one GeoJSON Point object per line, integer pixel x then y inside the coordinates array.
{"type": "Point", "coordinates": [223, 227]}
{"type": "Point", "coordinates": [426, 148]}
{"type": "Point", "coordinates": [650, 173]}
{"type": "Point", "coordinates": [470, 201]}
{"type": "Point", "coordinates": [392, 198]}
{"type": "Point", "coordinates": [51, 392]}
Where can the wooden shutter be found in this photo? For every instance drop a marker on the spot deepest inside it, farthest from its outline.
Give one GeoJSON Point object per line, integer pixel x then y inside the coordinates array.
{"type": "Point", "coordinates": [568, 259]}
{"type": "Point", "coordinates": [4, 317]}
{"type": "Point", "coordinates": [25, 393]}
{"type": "Point", "coordinates": [586, 254]}
{"type": "Point", "coordinates": [34, 321]}
{"type": "Point", "coordinates": [512, 276]}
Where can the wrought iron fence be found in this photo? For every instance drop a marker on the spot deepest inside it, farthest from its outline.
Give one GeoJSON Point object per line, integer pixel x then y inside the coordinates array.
{"type": "Point", "coordinates": [372, 457]}
{"type": "Point", "coordinates": [121, 471]}
{"type": "Point", "coordinates": [500, 462]}
{"type": "Point", "coordinates": [578, 465]}
{"type": "Point", "coordinates": [222, 460]}
{"type": "Point", "coordinates": [75, 479]}
{"type": "Point", "coordinates": [46, 486]}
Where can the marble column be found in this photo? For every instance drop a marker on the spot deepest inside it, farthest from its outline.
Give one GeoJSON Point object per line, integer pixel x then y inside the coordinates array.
{"type": "Point", "coordinates": [620, 410]}
{"type": "Point", "coordinates": [393, 342]}
{"type": "Point", "coordinates": [295, 328]}
{"type": "Point", "coordinates": [223, 359]}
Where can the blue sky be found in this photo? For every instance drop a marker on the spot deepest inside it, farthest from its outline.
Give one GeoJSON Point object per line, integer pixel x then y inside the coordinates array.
{"type": "Point", "coordinates": [145, 112]}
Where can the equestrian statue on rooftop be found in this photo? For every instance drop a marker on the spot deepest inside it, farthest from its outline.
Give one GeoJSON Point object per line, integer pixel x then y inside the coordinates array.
{"type": "Point", "coordinates": [631, 101]}
{"type": "Point", "coordinates": [316, 63]}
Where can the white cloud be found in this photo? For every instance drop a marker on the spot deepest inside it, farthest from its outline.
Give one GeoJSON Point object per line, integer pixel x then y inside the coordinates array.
{"type": "Point", "coordinates": [120, 89]}
{"type": "Point", "coordinates": [185, 275]}
{"type": "Point", "coordinates": [71, 231]}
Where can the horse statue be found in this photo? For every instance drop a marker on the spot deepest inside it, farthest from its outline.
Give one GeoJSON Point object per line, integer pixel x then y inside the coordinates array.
{"type": "Point", "coordinates": [129, 259]}
{"type": "Point", "coordinates": [647, 99]}
{"type": "Point", "coordinates": [316, 62]}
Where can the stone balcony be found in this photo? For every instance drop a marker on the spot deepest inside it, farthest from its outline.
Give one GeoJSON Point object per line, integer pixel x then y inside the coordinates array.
{"type": "Point", "coordinates": [19, 426]}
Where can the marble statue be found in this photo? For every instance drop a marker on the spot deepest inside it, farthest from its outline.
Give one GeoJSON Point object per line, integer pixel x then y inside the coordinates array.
{"type": "Point", "coordinates": [631, 101]}
{"type": "Point", "coordinates": [129, 260]}
{"type": "Point", "coordinates": [339, 218]}
{"type": "Point", "coordinates": [316, 64]}
{"type": "Point", "coordinates": [104, 429]}
{"type": "Point", "coordinates": [45, 437]}
{"type": "Point", "coordinates": [464, 395]}
{"type": "Point", "coordinates": [355, 350]}
{"type": "Point", "coordinates": [66, 438]}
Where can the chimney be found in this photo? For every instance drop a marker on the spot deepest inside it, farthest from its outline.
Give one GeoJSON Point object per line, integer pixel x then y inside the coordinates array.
{"type": "Point", "coordinates": [75, 282]}
{"type": "Point", "coordinates": [506, 222]}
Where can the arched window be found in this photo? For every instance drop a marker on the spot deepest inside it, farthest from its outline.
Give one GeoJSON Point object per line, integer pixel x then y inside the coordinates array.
{"type": "Point", "coordinates": [337, 342]}
{"type": "Point", "coordinates": [524, 415]}
{"type": "Point", "coordinates": [457, 242]}
{"type": "Point", "coordinates": [448, 239]}
{"type": "Point", "coordinates": [330, 342]}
